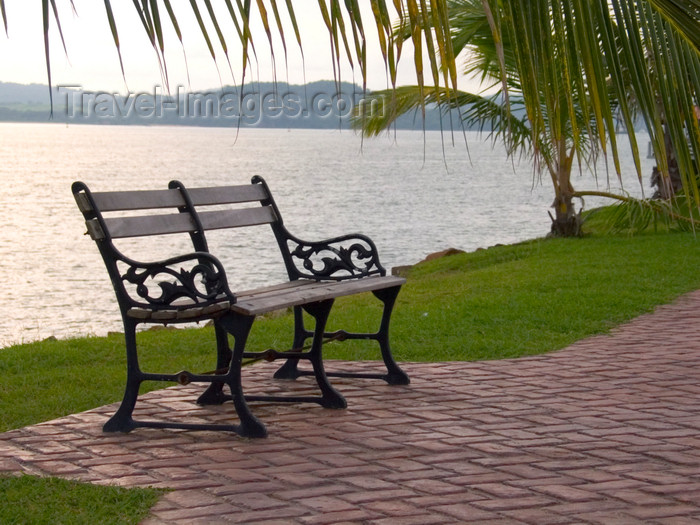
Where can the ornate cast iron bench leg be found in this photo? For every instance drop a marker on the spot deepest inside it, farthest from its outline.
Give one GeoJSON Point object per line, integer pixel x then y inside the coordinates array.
{"type": "Point", "coordinates": [320, 311]}
{"type": "Point", "coordinates": [290, 370]}
{"type": "Point", "coordinates": [239, 326]}
{"type": "Point", "coordinates": [214, 394]}
{"type": "Point", "coordinates": [122, 421]}
{"type": "Point", "coordinates": [250, 426]}
{"type": "Point", "coordinates": [330, 397]}
{"type": "Point", "coordinates": [394, 375]}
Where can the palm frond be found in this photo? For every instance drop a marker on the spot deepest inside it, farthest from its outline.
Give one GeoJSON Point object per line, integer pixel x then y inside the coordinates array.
{"type": "Point", "coordinates": [632, 216]}
{"type": "Point", "coordinates": [176, 27]}
{"type": "Point", "coordinates": [220, 35]}
{"type": "Point", "coordinates": [683, 16]}
{"type": "Point", "coordinates": [3, 14]}
{"type": "Point", "coordinates": [45, 17]}
{"type": "Point", "coordinates": [115, 35]}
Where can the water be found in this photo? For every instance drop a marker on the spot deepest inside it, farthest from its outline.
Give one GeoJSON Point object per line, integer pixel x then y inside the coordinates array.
{"type": "Point", "coordinates": [412, 200]}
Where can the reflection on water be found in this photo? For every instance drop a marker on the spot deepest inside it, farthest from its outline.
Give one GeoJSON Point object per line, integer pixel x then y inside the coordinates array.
{"type": "Point", "coordinates": [326, 183]}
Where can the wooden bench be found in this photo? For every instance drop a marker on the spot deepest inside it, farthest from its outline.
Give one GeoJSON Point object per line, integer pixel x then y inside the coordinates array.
{"type": "Point", "coordinates": [193, 287]}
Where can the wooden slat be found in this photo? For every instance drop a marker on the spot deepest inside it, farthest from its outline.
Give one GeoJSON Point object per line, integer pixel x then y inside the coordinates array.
{"type": "Point", "coordinates": [213, 220]}
{"type": "Point", "coordinates": [304, 291]}
{"type": "Point", "coordinates": [193, 313]}
{"type": "Point", "coordinates": [376, 282]}
{"type": "Point", "coordinates": [270, 288]}
{"type": "Point", "coordinates": [137, 200]}
{"type": "Point", "coordinates": [227, 194]}
{"type": "Point", "coordinates": [143, 225]}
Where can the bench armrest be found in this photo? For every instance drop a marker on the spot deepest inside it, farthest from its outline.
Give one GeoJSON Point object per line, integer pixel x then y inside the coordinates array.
{"type": "Point", "coordinates": [339, 258]}
{"type": "Point", "coordinates": [194, 280]}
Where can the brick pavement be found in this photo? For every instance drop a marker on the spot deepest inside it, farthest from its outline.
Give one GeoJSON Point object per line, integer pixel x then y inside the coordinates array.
{"type": "Point", "coordinates": [603, 431]}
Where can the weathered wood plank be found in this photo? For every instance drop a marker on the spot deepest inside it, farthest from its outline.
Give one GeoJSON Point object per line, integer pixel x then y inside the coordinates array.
{"type": "Point", "coordinates": [185, 314]}
{"type": "Point", "coordinates": [227, 194]}
{"type": "Point", "coordinates": [376, 282]}
{"type": "Point", "coordinates": [213, 220]}
{"type": "Point", "coordinates": [303, 292]}
{"type": "Point", "coordinates": [110, 201]}
{"type": "Point", "coordinates": [137, 200]}
{"type": "Point", "coordinates": [264, 289]}
{"type": "Point", "coordinates": [144, 225]}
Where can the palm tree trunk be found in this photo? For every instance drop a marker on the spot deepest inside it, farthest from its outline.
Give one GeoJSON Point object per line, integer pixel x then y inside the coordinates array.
{"type": "Point", "coordinates": [566, 222]}
{"type": "Point", "coordinates": [667, 187]}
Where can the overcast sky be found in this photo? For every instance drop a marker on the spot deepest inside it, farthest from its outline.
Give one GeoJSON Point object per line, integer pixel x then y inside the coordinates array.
{"type": "Point", "coordinates": [92, 60]}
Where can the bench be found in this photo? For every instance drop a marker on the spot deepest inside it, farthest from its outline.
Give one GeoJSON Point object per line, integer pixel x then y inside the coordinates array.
{"type": "Point", "coordinates": [193, 287]}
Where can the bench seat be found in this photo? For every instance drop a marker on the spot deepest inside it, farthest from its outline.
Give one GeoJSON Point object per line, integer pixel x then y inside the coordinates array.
{"type": "Point", "coordinates": [304, 291]}
{"type": "Point", "coordinates": [270, 298]}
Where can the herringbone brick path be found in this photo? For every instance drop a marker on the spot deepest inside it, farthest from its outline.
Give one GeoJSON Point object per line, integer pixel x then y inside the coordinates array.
{"type": "Point", "coordinates": [604, 431]}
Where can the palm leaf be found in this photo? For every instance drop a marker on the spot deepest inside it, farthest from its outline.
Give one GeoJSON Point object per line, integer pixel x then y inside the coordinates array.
{"type": "Point", "coordinates": [243, 30]}
{"type": "Point", "coordinates": [262, 10]}
{"type": "Point", "coordinates": [295, 26]}
{"type": "Point", "coordinates": [176, 27]}
{"type": "Point", "coordinates": [45, 16]}
{"type": "Point", "coordinates": [115, 35]}
{"type": "Point", "coordinates": [280, 29]}
{"type": "Point", "coordinates": [683, 16]}
{"type": "Point", "coordinates": [158, 32]}
{"type": "Point", "coordinates": [219, 33]}
{"type": "Point", "coordinates": [58, 25]}
{"type": "Point", "coordinates": [3, 14]}
{"type": "Point", "coordinates": [205, 33]}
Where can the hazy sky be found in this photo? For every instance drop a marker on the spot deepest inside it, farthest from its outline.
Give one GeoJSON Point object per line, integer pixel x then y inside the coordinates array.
{"type": "Point", "coordinates": [92, 60]}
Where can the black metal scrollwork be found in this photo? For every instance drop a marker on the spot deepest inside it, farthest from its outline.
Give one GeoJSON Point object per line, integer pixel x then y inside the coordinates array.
{"type": "Point", "coordinates": [324, 261]}
{"type": "Point", "coordinates": [160, 285]}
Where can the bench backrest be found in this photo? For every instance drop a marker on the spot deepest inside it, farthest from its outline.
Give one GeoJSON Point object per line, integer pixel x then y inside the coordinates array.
{"type": "Point", "coordinates": [98, 206]}
{"type": "Point", "coordinates": [115, 215]}
{"type": "Point", "coordinates": [118, 215]}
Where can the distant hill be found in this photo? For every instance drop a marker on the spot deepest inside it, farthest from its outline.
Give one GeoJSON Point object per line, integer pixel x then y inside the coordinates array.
{"type": "Point", "coordinates": [266, 104]}
{"type": "Point", "coordinates": [30, 94]}
{"type": "Point", "coordinates": [319, 105]}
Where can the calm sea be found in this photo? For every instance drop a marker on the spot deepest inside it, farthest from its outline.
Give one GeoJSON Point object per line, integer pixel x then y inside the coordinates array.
{"type": "Point", "coordinates": [411, 195]}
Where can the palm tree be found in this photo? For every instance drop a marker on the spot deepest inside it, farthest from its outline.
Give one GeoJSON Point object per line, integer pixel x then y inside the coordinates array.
{"type": "Point", "coordinates": [555, 145]}
{"type": "Point", "coordinates": [575, 64]}
{"type": "Point", "coordinates": [561, 125]}
{"type": "Point", "coordinates": [616, 52]}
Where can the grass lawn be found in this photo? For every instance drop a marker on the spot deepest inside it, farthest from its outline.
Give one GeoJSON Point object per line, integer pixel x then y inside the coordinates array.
{"type": "Point", "coordinates": [507, 301]}
{"type": "Point", "coordinates": [29, 499]}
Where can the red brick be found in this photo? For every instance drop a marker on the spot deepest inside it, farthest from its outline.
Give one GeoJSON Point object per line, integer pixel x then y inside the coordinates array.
{"type": "Point", "coordinates": [337, 518]}
{"type": "Point", "coordinates": [500, 490]}
{"type": "Point", "coordinates": [536, 516]}
{"type": "Point", "coordinates": [209, 512]}
{"type": "Point", "coordinates": [662, 511]}
{"type": "Point", "coordinates": [190, 498]}
{"type": "Point", "coordinates": [466, 512]}
{"type": "Point", "coordinates": [567, 492]}
{"type": "Point", "coordinates": [513, 503]}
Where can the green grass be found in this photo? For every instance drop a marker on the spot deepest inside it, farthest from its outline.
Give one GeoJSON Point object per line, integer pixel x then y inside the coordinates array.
{"type": "Point", "coordinates": [507, 301]}
{"type": "Point", "coordinates": [28, 499]}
